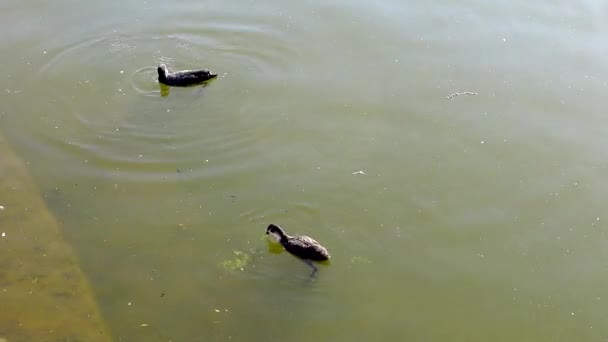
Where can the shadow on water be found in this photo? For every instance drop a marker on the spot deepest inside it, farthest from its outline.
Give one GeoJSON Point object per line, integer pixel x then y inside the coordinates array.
{"type": "Point", "coordinates": [165, 89]}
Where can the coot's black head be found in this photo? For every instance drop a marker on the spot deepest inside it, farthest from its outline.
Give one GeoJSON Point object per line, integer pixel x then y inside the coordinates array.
{"type": "Point", "coordinates": [276, 232]}
{"type": "Point", "coordinates": [163, 71]}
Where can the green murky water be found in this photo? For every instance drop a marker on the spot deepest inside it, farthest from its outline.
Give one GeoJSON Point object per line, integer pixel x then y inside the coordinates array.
{"type": "Point", "coordinates": [475, 218]}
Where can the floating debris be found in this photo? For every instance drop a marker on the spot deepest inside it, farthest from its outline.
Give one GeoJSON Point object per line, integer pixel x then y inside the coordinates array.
{"type": "Point", "coordinates": [1, 207]}
{"type": "Point", "coordinates": [216, 310]}
{"type": "Point", "coordinates": [358, 172]}
{"type": "Point", "coordinates": [458, 94]}
{"type": "Point", "coordinates": [143, 325]}
{"type": "Point", "coordinates": [3, 234]}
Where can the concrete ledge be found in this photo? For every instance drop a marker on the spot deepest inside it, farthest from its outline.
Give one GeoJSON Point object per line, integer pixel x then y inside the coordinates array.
{"type": "Point", "coordinates": [44, 295]}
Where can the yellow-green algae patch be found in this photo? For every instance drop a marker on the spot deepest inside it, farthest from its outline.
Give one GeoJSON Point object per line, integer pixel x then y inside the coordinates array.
{"type": "Point", "coordinates": [240, 260]}
{"type": "Point", "coordinates": [44, 295]}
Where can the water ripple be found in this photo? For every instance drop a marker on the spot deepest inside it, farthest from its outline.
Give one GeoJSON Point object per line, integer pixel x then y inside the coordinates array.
{"type": "Point", "coordinates": [113, 114]}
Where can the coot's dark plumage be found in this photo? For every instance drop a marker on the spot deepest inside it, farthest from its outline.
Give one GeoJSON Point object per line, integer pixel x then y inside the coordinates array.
{"type": "Point", "coordinates": [183, 78]}
{"type": "Point", "coordinates": [303, 247]}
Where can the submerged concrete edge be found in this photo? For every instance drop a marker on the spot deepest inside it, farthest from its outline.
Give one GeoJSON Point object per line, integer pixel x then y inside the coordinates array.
{"type": "Point", "coordinates": [44, 294]}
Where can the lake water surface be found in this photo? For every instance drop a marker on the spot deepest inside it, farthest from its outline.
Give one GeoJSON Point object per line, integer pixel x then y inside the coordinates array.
{"type": "Point", "coordinates": [476, 218]}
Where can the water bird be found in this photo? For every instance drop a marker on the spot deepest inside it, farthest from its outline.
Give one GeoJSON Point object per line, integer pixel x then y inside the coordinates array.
{"type": "Point", "coordinates": [184, 78]}
{"type": "Point", "coordinates": [303, 247]}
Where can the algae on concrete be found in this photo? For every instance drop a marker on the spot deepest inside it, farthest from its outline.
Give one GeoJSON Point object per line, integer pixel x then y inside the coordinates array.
{"type": "Point", "coordinates": [44, 295]}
